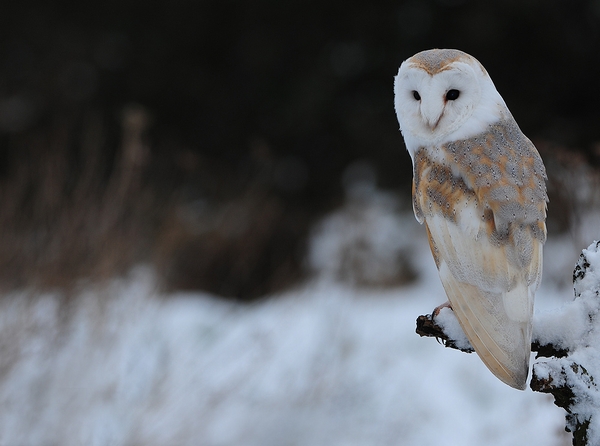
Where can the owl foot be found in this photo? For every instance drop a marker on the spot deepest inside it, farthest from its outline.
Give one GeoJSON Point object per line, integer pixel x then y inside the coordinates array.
{"type": "Point", "coordinates": [437, 309]}
{"type": "Point", "coordinates": [427, 326]}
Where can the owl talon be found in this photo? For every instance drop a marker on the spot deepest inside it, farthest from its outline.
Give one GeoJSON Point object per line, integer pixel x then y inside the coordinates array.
{"type": "Point", "coordinates": [437, 309]}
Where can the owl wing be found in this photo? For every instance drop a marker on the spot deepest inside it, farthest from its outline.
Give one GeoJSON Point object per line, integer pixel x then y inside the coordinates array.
{"type": "Point", "coordinates": [485, 223]}
{"type": "Point", "coordinates": [491, 299]}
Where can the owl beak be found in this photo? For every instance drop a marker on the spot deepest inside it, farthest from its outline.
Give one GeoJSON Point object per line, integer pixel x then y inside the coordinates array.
{"type": "Point", "coordinates": [432, 114]}
{"type": "Point", "coordinates": [433, 124]}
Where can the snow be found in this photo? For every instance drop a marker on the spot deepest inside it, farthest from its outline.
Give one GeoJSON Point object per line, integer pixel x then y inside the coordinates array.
{"type": "Point", "coordinates": [326, 363]}
{"type": "Point", "coordinates": [562, 327]}
{"type": "Point", "coordinates": [574, 328]}
{"type": "Point", "coordinates": [341, 248]}
{"type": "Point", "coordinates": [449, 323]}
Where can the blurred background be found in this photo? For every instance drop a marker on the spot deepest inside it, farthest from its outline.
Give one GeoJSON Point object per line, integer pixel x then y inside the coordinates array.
{"type": "Point", "coordinates": [232, 146]}
{"type": "Point", "coordinates": [206, 137]}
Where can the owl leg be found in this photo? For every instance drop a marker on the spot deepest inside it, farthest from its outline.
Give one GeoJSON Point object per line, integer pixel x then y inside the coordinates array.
{"type": "Point", "coordinates": [437, 309]}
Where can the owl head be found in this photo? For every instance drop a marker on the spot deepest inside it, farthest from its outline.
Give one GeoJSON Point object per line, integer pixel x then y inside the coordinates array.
{"type": "Point", "coordinates": [444, 95]}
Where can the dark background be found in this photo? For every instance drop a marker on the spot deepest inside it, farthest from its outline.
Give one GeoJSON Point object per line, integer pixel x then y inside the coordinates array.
{"type": "Point", "coordinates": [248, 113]}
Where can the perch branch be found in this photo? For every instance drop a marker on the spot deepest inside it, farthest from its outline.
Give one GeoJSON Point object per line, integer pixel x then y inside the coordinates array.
{"type": "Point", "coordinates": [562, 374]}
{"type": "Point", "coordinates": [427, 327]}
{"type": "Point", "coordinates": [563, 393]}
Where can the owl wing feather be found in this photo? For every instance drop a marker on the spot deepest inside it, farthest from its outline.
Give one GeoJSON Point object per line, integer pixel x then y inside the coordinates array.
{"type": "Point", "coordinates": [486, 231]}
{"type": "Point", "coordinates": [491, 300]}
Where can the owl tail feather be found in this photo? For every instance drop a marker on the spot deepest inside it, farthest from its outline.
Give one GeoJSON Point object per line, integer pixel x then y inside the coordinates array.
{"type": "Point", "coordinates": [503, 344]}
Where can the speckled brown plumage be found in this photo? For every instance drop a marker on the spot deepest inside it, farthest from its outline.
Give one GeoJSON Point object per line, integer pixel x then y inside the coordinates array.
{"type": "Point", "coordinates": [500, 172]}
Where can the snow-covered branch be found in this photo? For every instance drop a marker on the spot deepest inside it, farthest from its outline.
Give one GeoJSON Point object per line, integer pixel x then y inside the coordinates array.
{"type": "Point", "coordinates": [569, 337]}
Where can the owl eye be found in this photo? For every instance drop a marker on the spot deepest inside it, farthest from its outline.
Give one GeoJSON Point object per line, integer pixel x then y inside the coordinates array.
{"type": "Point", "coordinates": [452, 95]}
{"type": "Point", "coordinates": [416, 95]}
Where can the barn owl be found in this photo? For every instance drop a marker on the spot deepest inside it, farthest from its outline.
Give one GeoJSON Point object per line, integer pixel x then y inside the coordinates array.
{"type": "Point", "coordinates": [479, 187]}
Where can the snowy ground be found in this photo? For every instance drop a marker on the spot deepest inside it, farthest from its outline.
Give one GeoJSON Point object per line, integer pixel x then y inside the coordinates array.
{"type": "Point", "coordinates": [324, 364]}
